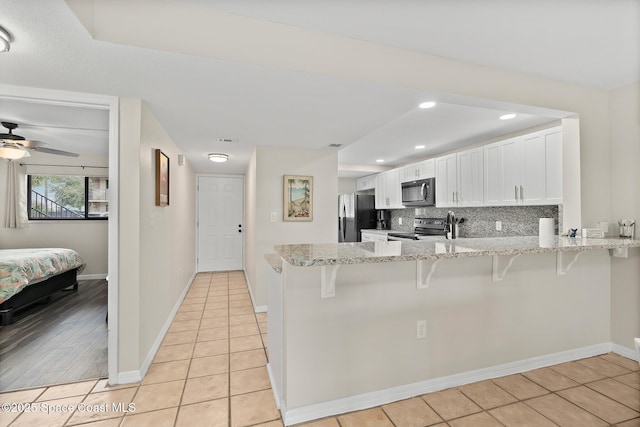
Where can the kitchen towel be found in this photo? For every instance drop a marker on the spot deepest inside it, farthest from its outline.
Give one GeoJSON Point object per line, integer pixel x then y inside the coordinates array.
{"type": "Point", "coordinates": [546, 232]}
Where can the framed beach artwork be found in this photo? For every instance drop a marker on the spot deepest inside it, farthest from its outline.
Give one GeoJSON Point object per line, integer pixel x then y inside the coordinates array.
{"type": "Point", "coordinates": [162, 179]}
{"type": "Point", "coordinates": [298, 198]}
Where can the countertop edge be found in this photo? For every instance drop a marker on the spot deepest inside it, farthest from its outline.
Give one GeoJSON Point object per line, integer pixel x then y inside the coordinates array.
{"type": "Point", "coordinates": [587, 245]}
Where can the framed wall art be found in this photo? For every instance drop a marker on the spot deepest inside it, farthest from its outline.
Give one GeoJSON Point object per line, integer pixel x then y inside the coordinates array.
{"type": "Point", "coordinates": [298, 198]}
{"type": "Point", "coordinates": [162, 178]}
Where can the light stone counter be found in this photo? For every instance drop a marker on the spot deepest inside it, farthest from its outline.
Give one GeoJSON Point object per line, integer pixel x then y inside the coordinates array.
{"type": "Point", "coordinates": [376, 231]}
{"type": "Point", "coordinates": [307, 255]}
{"type": "Point", "coordinates": [274, 261]}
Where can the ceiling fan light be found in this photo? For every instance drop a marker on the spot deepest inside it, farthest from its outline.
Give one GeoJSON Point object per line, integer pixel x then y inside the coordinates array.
{"type": "Point", "coordinates": [13, 152]}
{"type": "Point", "coordinates": [218, 157]}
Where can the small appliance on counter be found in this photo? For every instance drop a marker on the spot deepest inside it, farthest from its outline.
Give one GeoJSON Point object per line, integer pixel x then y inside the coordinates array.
{"type": "Point", "coordinates": [383, 221]}
{"type": "Point", "coordinates": [627, 228]}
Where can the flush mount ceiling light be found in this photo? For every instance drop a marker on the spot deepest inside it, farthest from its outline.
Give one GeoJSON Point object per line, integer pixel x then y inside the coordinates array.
{"type": "Point", "coordinates": [5, 40]}
{"type": "Point", "coordinates": [380, 161]}
{"type": "Point", "coordinates": [428, 104]}
{"type": "Point", "coordinates": [508, 116]}
{"type": "Point", "coordinates": [419, 147]}
{"type": "Point", "coordinates": [218, 157]}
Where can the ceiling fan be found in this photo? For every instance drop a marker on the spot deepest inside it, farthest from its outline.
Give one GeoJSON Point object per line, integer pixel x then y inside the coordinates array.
{"type": "Point", "coordinates": [14, 146]}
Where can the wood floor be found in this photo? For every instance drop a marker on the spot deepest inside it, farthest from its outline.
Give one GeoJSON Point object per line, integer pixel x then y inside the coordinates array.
{"type": "Point", "coordinates": [59, 342]}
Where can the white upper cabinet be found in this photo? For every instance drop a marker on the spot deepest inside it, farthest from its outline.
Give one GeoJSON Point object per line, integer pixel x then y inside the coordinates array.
{"type": "Point", "coordinates": [470, 177]}
{"type": "Point", "coordinates": [420, 170]}
{"type": "Point", "coordinates": [459, 179]}
{"type": "Point", "coordinates": [366, 183]}
{"type": "Point", "coordinates": [389, 190]}
{"type": "Point", "coordinates": [526, 170]}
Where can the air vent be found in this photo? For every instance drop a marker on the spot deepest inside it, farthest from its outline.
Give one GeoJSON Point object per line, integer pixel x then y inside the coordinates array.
{"type": "Point", "coordinates": [227, 140]}
{"type": "Point", "coordinates": [335, 145]}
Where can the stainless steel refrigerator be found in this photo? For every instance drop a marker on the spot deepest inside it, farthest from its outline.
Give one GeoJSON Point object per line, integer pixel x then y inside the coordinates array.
{"type": "Point", "coordinates": [355, 212]}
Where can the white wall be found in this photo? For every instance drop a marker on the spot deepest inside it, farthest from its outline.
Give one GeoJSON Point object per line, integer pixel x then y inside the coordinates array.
{"type": "Point", "coordinates": [157, 244]}
{"type": "Point", "coordinates": [346, 185]}
{"type": "Point", "coordinates": [624, 104]}
{"type": "Point", "coordinates": [87, 237]}
{"type": "Point", "coordinates": [265, 181]}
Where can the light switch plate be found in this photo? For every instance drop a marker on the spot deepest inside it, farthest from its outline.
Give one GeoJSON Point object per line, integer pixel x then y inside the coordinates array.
{"type": "Point", "coordinates": [274, 216]}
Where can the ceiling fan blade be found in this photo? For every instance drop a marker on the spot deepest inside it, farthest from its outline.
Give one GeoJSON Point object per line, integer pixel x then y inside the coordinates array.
{"type": "Point", "coordinates": [53, 151]}
{"type": "Point", "coordinates": [27, 143]}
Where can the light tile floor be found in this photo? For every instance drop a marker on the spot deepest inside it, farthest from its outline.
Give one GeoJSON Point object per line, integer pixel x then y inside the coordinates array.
{"type": "Point", "coordinates": [210, 371]}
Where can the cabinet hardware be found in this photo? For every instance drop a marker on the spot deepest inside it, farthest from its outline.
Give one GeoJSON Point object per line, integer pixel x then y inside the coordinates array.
{"type": "Point", "coordinates": [522, 193]}
{"type": "Point", "coordinates": [515, 189]}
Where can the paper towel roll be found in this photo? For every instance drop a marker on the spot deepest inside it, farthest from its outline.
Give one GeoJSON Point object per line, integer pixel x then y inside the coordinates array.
{"type": "Point", "coordinates": [547, 227]}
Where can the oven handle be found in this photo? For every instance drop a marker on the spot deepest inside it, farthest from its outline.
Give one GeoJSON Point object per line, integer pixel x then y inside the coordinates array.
{"type": "Point", "coordinates": [398, 239]}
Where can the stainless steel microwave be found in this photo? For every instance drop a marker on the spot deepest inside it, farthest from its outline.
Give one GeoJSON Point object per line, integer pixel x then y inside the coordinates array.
{"type": "Point", "coordinates": [419, 193]}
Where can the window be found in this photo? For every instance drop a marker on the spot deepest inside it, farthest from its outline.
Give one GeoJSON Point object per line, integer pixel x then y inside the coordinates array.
{"type": "Point", "coordinates": [67, 197]}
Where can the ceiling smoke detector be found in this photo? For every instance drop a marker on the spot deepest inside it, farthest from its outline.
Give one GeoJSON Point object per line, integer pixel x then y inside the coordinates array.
{"type": "Point", "coordinates": [227, 140]}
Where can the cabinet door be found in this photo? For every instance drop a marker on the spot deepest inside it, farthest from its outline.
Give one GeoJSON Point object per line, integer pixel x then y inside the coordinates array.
{"type": "Point", "coordinates": [368, 237]}
{"type": "Point", "coordinates": [511, 160]}
{"type": "Point", "coordinates": [427, 169]}
{"type": "Point", "coordinates": [553, 162]}
{"type": "Point", "coordinates": [446, 177]}
{"type": "Point", "coordinates": [470, 178]}
{"type": "Point", "coordinates": [394, 189]}
{"type": "Point", "coordinates": [532, 188]}
{"type": "Point", "coordinates": [492, 175]}
{"type": "Point", "coordinates": [381, 191]}
{"type": "Point", "coordinates": [366, 183]}
{"type": "Point", "coordinates": [410, 172]}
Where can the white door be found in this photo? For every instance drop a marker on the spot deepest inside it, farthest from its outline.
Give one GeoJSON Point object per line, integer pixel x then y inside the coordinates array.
{"type": "Point", "coordinates": [470, 188]}
{"type": "Point", "coordinates": [220, 223]}
{"type": "Point", "coordinates": [446, 181]}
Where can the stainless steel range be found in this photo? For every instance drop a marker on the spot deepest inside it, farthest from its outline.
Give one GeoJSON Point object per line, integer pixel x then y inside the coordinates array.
{"type": "Point", "coordinates": [423, 228]}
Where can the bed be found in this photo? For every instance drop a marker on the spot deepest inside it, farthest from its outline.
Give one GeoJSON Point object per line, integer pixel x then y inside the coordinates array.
{"type": "Point", "coordinates": [28, 276]}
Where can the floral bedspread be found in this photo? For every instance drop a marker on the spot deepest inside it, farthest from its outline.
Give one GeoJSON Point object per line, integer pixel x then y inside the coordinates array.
{"type": "Point", "coordinates": [22, 267]}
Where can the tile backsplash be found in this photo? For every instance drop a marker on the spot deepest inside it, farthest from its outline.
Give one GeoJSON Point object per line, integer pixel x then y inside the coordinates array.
{"type": "Point", "coordinates": [481, 221]}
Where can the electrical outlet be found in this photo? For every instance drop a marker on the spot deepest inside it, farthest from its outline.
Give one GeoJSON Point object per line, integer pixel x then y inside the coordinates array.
{"type": "Point", "coordinates": [421, 329]}
{"type": "Point", "coordinates": [400, 221]}
{"type": "Point", "coordinates": [498, 225]}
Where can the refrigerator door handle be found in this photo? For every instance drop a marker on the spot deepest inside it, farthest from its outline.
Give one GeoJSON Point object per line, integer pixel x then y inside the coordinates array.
{"type": "Point", "coordinates": [344, 223]}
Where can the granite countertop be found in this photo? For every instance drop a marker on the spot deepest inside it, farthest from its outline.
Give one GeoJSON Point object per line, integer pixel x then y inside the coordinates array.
{"type": "Point", "coordinates": [308, 255]}
{"type": "Point", "coordinates": [376, 231]}
{"type": "Point", "coordinates": [275, 261]}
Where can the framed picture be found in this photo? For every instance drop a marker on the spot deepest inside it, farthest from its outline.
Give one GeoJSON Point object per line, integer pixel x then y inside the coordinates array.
{"type": "Point", "coordinates": [298, 198]}
{"type": "Point", "coordinates": [162, 178]}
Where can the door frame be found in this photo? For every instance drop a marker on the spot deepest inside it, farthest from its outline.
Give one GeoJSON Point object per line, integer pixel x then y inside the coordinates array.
{"type": "Point", "coordinates": [244, 192]}
{"type": "Point", "coordinates": [111, 104]}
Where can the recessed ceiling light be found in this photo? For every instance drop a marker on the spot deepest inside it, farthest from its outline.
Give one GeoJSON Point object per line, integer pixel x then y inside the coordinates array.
{"type": "Point", "coordinates": [419, 147]}
{"type": "Point", "coordinates": [380, 161]}
{"type": "Point", "coordinates": [428, 104]}
{"type": "Point", "coordinates": [218, 157]}
{"type": "Point", "coordinates": [507, 116]}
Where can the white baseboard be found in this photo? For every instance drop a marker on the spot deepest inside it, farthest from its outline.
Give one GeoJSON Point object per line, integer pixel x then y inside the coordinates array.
{"type": "Point", "coordinates": [129, 377]}
{"type": "Point", "coordinates": [256, 308]}
{"type": "Point", "coordinates": [625, 352]}
{"type": "Point", "coordinates": [156, 344]}
{"type": "Point", "coordinates": [92, 276]}
{"type": "Point", "coordinates": [380, 397]}
{"type": "Point", "coordinates": [279, 403]}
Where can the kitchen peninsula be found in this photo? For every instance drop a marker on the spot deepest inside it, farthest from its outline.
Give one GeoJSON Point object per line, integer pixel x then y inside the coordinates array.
{"type": "Point", "coordinates": [355, 325]}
